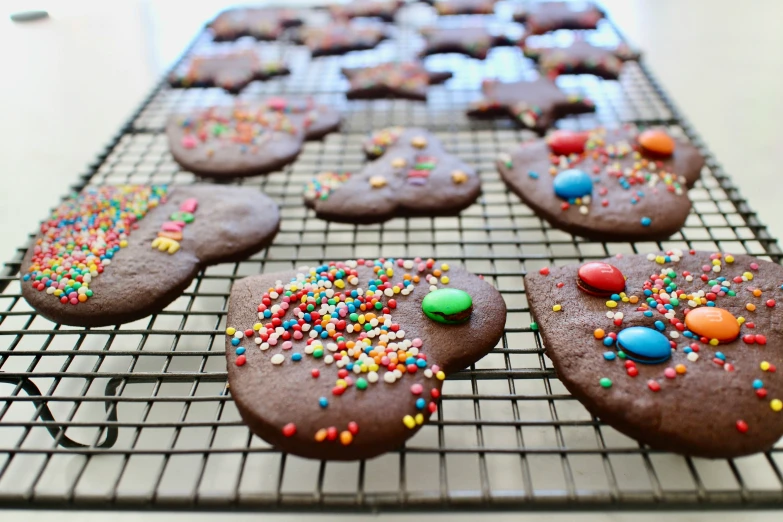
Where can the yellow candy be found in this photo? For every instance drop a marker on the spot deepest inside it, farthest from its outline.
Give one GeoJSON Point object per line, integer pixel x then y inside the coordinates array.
{"type": "Point", "coordinates": [257, 326]}
{"type": "Point", "coordinates": [419, 418]}
{"type": "Point", "coordinates": [444, 280]}
{"type": "Point", "coordinates": [231, 330]}
{"type": "Point", "coordinates": [440, 375]}
{"type": "Point", "coordinates": [729, 259]}
{"type": "Point", "coordinates": [611, 304]}
{"type": "Point", "coordinates": [373, 367]}
{"type": "Point", "coordinates": [716, 261]}
{"type": "Point", "coordinates": [341, 383]}
{"type": "Point", "coordinates": [557, 308]}
{"type": "Point", "coordinates": [444, 267]}
{"type": "Point", "coordinates": [740, 320]}
{"type": "Point", "coordinates": [165, 244]}
{"type": "Point", "coordinates": [339, 283]}
{"type": "Point", "coordinates": [123, 243]}
{"type": "Point", "coordinates": [748, 276]}
{"type": "Point", "coordinates": [409, 422]}
{"type": "Point", "coordinates": [776, 405]}
{"type": "Point", "coordinates": [660, 260]}
{"type": "Point", "coordinates": [714, 342]}
{"type": "Point", "coordinates": [764, 366]}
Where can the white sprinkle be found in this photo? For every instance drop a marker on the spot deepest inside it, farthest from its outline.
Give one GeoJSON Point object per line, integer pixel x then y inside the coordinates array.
{"type": "Point", "coordinates": [610, 315]}
{"type": "Point", "coordinates": [372, 377]}
{"type": "Point", "coordinates": [689, 278]}
{"type": "Point", "coordinates": [278, 358]}
{"type": "Point", "coordinates": [306, 327]}
{"type": "Point", "coordinates": [332, 347]}
{"type": "Point", "coordinates": [583, 210]}
{"type": "Point", "coordinates": [716, 268]}
{"type": "Point", "coordinates": [650, 257]}
{"type": "Point", "coordinates": [309, 349]}
{"type": "Point", "coordinates": [433, 288]}
{"type": "Point", "coordinates": [618, 315]}
{"type": "Point", "coordinates": [357, 368]}
{"type": "Point", "coordinates": [674, 334]}
{"type": "Point", "coordinates": [407, 265]}
{"type": "Point", "coordinates": [428, 373]}
{"type": "Point", "coordinates": [340, 363]}
{"type": "Point", "coordinates": [349, 328]}
{"type": "Point", "coordinates": [693, 357]}
{"type": "Point", "coordinates": [239, 334]}
{"type": "Point", "coordinates": [328, 359]}
{"type": "Point", "coordinates": [274, 295]}
{"type": "Point", "coordinates": [401, 335]}
{"type": "Point", "coordinates": [397, 374]}
{"type": "Point", "coordinates": [389, 377]}
{"type": "Point", "coordinates": [392, 335]}
{"type": "Point", "coordinates": [675, 259]}
{"type": "Point", "coordinates": [388, 292]}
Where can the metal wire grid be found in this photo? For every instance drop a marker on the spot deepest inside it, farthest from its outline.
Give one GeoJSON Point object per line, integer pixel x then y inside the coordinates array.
{"type": "Point", "coordinates": [148, 399]}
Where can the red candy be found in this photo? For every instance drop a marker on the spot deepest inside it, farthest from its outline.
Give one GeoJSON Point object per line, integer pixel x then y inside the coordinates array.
{"type": "Point", "coordinates": [289, 429]}
{"type": "Point", "coordinates": [654, 386]}
{"type": "Point", "coordinates": [241, 360]}
{"type": "Point", "coordinates": [353, 428]}
{"type": "Point", "coordinates": [600, 279]}
{"type": "Point", "coordinates": [565, 142]}
{"type": "Point", "coordinates": [742, 426]}
{"type": "Point", "coordinates": [315, 373]}
{"type": "Point", "coordinates": [544, 271]}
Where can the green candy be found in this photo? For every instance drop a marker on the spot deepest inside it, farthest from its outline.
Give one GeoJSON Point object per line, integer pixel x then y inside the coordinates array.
{"type": "Point", "coordinates": [605, 382]}
{"type": "Point", "coordinates": [187, 217]}
{"type": "Point", "coordinates": [448, 305]}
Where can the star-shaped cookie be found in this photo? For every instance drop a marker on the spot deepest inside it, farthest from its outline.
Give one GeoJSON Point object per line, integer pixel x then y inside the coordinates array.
{"type": "Point", "coordinates": [232, 71]}
{"type": "Point", "coordinates": [340, 38]}
{"type": "Point", "coordinates": [383, 9]}
{"type": "Point", "coordinates": [259, 23]}
{"type": "Point", "coordinates": [581, 58]}
{"type": "Point", "coordinates": [408, 80]}
{"type": "Point", "coordinates": [543, 17]}
{"type": "Point", "coordinates": [472, 41]}
{"type": "Point", "coordinates": [464, 7]}
{"type": "Point", "coordinates": [534, 104]}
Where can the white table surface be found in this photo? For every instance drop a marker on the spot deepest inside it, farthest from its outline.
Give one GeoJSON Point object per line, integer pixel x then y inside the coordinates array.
{"type": "Point", "coordinates": [70, 81]}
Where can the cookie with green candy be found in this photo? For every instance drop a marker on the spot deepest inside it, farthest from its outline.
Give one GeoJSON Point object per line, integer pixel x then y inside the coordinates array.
{"type": "Point", "coordinates": [351, 350]}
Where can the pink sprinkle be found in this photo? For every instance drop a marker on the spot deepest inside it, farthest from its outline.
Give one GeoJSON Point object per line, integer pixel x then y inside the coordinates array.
{"type": "Point", "coordinates": [189, 142]}
{"type": "Point", "coordinates": [422, 267]}
{"type": "Point", "coordinates": [385, 361]}
{"type": "Point", "coordinates": [276, 103]}
{"type": "Point", "coordinates": [349, 381]}
{"type": "Point", "coordinates": [706, 268]}
{"type": "Point", "coordinates": [417, 342]}
{"type": "Point", "coordinates": [287, 345]}
{"type": "Point", "coordinates": [670, 373]}
{"type": "Point", "coordinates": [284, 305]}
{"type": "Point", "coordinates": [298, 335]}
{"type": "Point", "coordinates": [173, 226]}
{"type": "Point", "coordinates": [416, 389]}
{"type": "Point", "coordinates": [272, 341]}
{"type": "Point", "coordinates": [754, 266]}
{"type": "Point", "coordinates": [189, 205]}
{"type": "Point", "coordinates": [435, 368]}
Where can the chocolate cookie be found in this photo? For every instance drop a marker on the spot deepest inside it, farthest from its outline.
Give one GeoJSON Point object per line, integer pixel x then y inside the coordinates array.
{"type": "Point", "coordinates": [581, 58]}
{"type": "Point", "coordinates": [535, 104]}
{"type": "Point", "coordinates": [247, 140]}
{"type": "Point", "coordinates": [677, 350]}
{"type": "Point", "coordinates": [340, 38]}
{"type": "Point", "coordinates": [543, 17]}
{"type": "Point", "coordinates": [383, 9]}
{"type": "Point", "coordinates": [617, 185]}
{"type": "Point", "coordinates": [464, 7]}
{"type": "Point", "coordinates": [343, 361]}
{"type": "Point", "coordinates": [408, 80]}
{"type": "Point", "coordinates": [232, 71]}
{"type": "Point", "coordinates": [116, 254]}
{"type": "Point", "coordinates": [415, 177]}
{"type": "Point", "coordinates": [472, 41]}
{"type": "Point", "coordinates": [259, 23]}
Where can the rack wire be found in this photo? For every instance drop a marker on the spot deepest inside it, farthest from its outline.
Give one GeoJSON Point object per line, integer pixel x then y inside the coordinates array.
{"type": "Point", "coordinates": [139, 415]}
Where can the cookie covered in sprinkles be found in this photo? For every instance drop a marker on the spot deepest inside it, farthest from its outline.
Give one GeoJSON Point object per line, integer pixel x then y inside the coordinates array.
{"type": "Point", "coordinates": [114, 254]}
{"type": "Point", "coordinates": [342, 361]}
{"type": "Point", "coordinates": [683, 357]}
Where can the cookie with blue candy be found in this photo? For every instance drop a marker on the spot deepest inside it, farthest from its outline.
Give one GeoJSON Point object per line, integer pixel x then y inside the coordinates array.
{"type": "Point", "coordinates": [623, 184]}
{"type": "Point", "coordinates": [678, 350]}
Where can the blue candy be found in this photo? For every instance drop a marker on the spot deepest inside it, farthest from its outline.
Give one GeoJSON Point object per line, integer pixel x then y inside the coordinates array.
{"type": "Point", "coordinates": [757, 384]}
{"type": "Point", "coordinates": [235, 341]}
{"type": "Point", "coordinates": [323, 402]}
{"type": "Point", "coordinates": [608, 341]}
{"type": "Point", "coordinates": [572, 183]}
{"type": "Point", "coordinates": [644, 345]}
{"type": "Point", "coordinates": [240, 350]}
{"type": "Point", "coordinates": [610, 356]}
{"type": "Point", "coordinates": [420, 403]}
{"type": "Point", "coordinates": [296, 357]}
{"type": "Point", "coordinates": [660, 326]}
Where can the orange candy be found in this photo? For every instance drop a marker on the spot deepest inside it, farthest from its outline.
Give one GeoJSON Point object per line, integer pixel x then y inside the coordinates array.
{"type": "Point", "coordinates": [657, 142]}
{"type": "Point", "coordinates": [713, 323]}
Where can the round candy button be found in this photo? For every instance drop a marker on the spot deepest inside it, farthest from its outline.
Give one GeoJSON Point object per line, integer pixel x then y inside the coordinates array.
{"type": "Point", "coordinates": [448, 305]}
{"type": "Point", "coordinates": [573, 183]}
{"type": "Point", "coordinates": [566, 142]}
{"type": "Point", "coordinates": [644, 345]}
{"type": "Point", "coordinates": [657, 142]}
{"type": "Point", "coordinates": [713, 323]}
{"type": "Point", "coordinates": [600, 279]}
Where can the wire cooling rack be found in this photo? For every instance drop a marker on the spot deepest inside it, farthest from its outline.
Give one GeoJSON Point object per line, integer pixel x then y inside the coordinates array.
{"type": "Point", "coordinates": [139, 416]}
